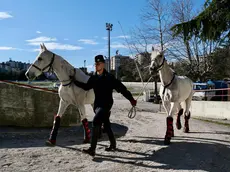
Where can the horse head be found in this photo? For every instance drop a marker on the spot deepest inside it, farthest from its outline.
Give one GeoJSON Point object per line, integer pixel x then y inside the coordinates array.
{"type": "Point", "coordinates": [157, 61]}
{"type": "Point", "coordinates": [42, 63]}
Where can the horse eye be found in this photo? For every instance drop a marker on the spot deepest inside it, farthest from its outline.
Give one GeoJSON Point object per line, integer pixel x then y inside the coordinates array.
{"type": "Point", "coordinates": [39, 58]}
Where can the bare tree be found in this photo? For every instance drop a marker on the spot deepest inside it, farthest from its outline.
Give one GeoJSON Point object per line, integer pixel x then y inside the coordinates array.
{"type": "Point", "coordinates": [193, 52]}
{"type": "Point", "coordinates": [153, 30]}
{"type": "Point", "coordinates": [139, 40]}
{"type": "Point", "coordinates": [155, 22]}
{"type": "Point", "coordinates": [181, 11]}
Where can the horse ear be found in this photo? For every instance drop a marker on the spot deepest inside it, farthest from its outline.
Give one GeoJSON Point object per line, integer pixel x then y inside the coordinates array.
{"type": "Point", "coordinates": [41, 47]}
{"type": "Point", "coordinates": [152, 48]}
{"type": "Point", "coordinates": [44, 47]}
{"type": "Point", "coordinates": [162, 52]}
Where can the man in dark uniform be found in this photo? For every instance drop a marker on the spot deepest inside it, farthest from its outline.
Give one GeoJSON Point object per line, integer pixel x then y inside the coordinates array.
{"type": "Point", "coordinates": [103, 84]}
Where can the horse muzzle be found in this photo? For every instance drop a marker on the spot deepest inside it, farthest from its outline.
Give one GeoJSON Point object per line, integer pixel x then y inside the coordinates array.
{"type": "Point", "coordinates": [152, 71]}
{"type": "Point", "coordinates": [29, 75]}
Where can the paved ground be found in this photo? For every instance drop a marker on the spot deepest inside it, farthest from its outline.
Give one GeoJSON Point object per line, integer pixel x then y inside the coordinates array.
{"type": "Point", "coordinates": [139, 140]}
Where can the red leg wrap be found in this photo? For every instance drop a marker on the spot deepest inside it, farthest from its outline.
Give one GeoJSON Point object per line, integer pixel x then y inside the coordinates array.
{"type": "Point", "coordinates": [54, 131]}
{"type": "Point", "coordinates": [169, 126]}
{"type": "Point", "coordinates": [86, 130]}
{"type": "Point", "coordinates": [169, 131]}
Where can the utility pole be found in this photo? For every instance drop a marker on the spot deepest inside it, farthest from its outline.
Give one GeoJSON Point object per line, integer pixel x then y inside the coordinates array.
{"type": "Point", "coordinates": [116, 71]}
{"type": "Point", "coordinates": [109, 28]}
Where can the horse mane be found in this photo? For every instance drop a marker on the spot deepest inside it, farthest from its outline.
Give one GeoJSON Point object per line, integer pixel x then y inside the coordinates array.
{"type": "Point", "coordinates": [171, 69]}
{"type": "Point", "coordinates": [169, 66]}
{"type": "Point", "coordinates": [79, 74]}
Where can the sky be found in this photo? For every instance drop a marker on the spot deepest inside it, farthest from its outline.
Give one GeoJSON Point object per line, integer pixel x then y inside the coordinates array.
{"type": "Point", "coordinates": [73, 29]}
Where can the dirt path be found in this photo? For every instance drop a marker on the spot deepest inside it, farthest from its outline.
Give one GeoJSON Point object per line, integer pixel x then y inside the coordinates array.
{"type": "Point", "coordinates": [139, 141]}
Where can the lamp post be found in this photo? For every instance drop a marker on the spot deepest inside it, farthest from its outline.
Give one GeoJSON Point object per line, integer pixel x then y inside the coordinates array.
{"type": "Point", "coordinates": [109, 28]}
{"type": "Point", "coordinates": [85, 66]}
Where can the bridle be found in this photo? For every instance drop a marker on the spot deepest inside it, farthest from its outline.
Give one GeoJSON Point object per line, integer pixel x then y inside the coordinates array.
{"type": "Point", "coordinates": [161, 65]}
{"type": "Point", "coordinates": [50, 66]}
{"type": "Point", "coordinates": [47, 66]}
{"type": "Point", "coordinates": [174, 74]}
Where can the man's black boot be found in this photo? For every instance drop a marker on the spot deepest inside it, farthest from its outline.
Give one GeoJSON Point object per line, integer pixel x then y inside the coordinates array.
{"type": "Point", "coordinates": [112, 139]}
{"type": "Point", "coordinates": [111, 148]}
{"type": "Point", "coordinates": [89, 151]}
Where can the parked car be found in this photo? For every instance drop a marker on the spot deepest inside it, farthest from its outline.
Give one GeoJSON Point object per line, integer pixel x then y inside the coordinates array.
{"type": "Point", "coordinates": [202, 92]}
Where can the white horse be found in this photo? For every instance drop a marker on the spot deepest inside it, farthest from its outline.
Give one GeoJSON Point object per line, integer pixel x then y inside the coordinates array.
{"type": "Point", "coordinates": [68, 92]}
{"type": "Point", "coordinates": [174, 90]}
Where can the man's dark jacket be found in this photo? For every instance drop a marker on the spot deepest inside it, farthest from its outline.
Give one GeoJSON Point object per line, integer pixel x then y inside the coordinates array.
{"type": "Point", "coordinates": [103, 86]}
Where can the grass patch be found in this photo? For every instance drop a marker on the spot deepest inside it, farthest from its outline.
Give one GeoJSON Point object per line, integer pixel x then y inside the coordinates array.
{"type": "Point", "coordinates": [130, 88]}
{"type": "Point", "coordinates": [34, 83]}
{"type": "Point", "coordinates": [212, 121]}
{"type": "Point", "coordinates": [137, 94]}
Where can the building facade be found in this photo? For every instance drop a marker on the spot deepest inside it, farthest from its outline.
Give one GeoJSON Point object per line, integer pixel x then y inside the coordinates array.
{"type": "Point", "coordinates": [116, 61]}
{"type": "Point", "coordinates": [14, 66]}
{"type": "Point", "coordinates": [141, 58]}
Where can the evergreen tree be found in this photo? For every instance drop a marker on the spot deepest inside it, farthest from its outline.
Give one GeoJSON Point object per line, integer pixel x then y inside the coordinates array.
{"type": "Point", "coordinates": [213, 23]}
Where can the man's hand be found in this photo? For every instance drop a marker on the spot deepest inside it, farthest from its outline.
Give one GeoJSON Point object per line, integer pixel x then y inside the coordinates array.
{"type": "Point", "coordinates": [133, 102]}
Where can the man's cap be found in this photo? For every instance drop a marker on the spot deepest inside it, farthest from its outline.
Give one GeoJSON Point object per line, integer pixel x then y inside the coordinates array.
{"type": "Point", "coordinates": [99, 58]}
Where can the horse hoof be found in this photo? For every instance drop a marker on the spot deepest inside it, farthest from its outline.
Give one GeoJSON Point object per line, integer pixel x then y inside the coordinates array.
{"type": "Point", "coordinates": [49, 143]}
{"type": "Point", "coordinates": [186, 130]}
{"type": "Point", "coordinates": [178, 125]}
{"type": "Point", "coordinates": [167, 140]}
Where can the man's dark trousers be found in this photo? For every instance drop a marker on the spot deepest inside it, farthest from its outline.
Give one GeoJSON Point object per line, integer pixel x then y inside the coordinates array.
{"type": "Point", "coordinates": [101, 116]}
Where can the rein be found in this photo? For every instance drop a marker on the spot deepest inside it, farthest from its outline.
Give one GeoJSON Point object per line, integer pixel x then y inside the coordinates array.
{"type": "Point", "coordinates": [161, 65]}
{"type": "Point", "coordinates": [133, 108]}
{"type": "Point", "coordinates": [174, 74]}
{"type": "Point", "coordinates": [165, 86]}
{"type": "Point", "coordinates": [50, 66]}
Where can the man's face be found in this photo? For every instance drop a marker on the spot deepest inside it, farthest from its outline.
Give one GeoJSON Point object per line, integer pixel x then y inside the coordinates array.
{"type": "Point", "coordinates": [99, 66]}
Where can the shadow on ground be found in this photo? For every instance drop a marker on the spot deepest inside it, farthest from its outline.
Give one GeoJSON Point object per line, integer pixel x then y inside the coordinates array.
{"type": "Point", "coordinates": [17, 137]}
{"type": "Point", "coordinates": [185, 153]}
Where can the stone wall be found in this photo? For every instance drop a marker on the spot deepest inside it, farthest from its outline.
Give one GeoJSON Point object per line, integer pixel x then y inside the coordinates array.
{"type": "Point", "coordinates": [139, 85]}
{"type": "Point", "coordinates": [211, 109]}
{"type": "Point", "coordinates": [27, 107]}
